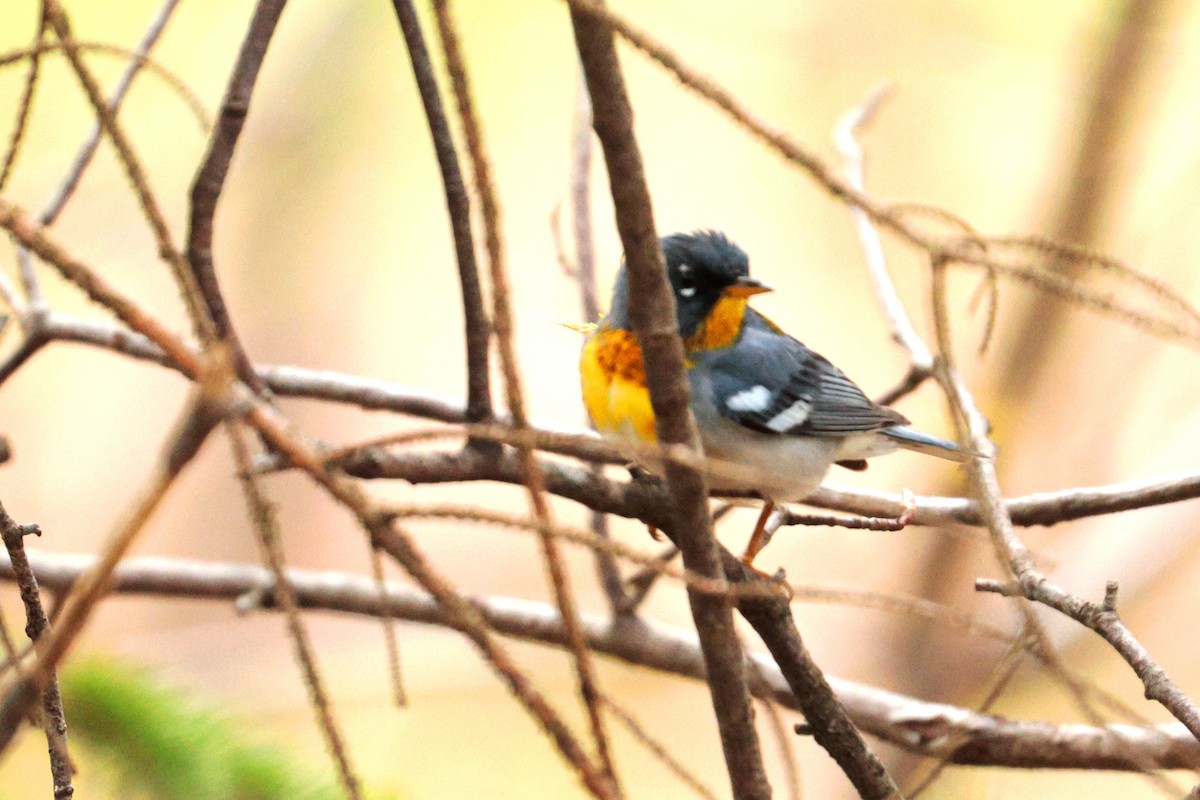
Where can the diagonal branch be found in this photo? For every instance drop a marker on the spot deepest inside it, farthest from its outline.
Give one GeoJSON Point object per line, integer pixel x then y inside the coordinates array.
{"type": "Point", "coordinates": [210, 181]}
{"type": "Point", "coordinates": [137, 60]}
{"type": "Point", "coordinates": [502, 318]}
{"type": "Point", "coordinates": [1031, 583]}
{"type": "Point", "coordinates": [133, 169]}
{"type": "Point", "coordinates": [653, 314]}
{"type": "Point", "coordinates": [191, 431]}
{"type": "Point", "coordinates": [394, 540]}
{"type": "Point", "coordinates": [477, 327]}
{"type": "Point", "coordinates": [262, 514]}
{"type": "Point", "coordinates": [25, 104]}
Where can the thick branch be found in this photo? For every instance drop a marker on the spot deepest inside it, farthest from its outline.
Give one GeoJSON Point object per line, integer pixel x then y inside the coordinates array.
{"type": "Point", "coordinates": [931, 729]}
{"type": "Point", "coordinates": [652, 311]}
{"type": "Point", "coordinates": [1039, 508]}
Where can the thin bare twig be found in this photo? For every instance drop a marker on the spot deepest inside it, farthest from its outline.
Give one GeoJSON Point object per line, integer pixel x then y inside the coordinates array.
{"type": "Point", "coordinates": [383, 533]}
{"type": "Point", "coordinates": [1080, 690]}
{"type": "Point", "coordinates": [391, 637]}
{"type": "Point", "coordinates": [137, 60]}
{"type": "Point", "coordinates": [38, 311]}
{"type": "Point", "coordinates": [266, 525]}
{"type": "Point", "coordinates": [502, 321]}
{"type": "Point", "coordinates": [24, 105]}
{"type": "Point", "coordinates": [1034, 585]}
{"type": "Point", "coordinates": [54, 721]}
{"type": "Point", "coordinates": [35, 238]}
{"type": "Point", "coordinates": [172, 81]}
{"type": "Point", "coordinates": [202, 415]}
{"type": "Point", "coordinates": [210, 181]}
{"type": "Point", "coordinates": [8, 293]}
{"type": "Point", "coordinates": [167, 250]}
{"type": "Point", "coordinates": [658, 750]}
{"type": "Point", "coordinates": [1097, 130]}
{"type": "Point", "coordinates": [641, 582]}
{"type": "Point", "coordinates": [477, 327]}
{"type": "Point", "coordinates": [587, 538]}
{"type": "Point", "coordinates": [33, 342]}
{"type": "Point", "coordinates": [584, 275]}
{"type": "Point", "coordinates": [779, 730]}
{"type": "Point", "coordinates": [1170, 316]}
{"type": "Point", "coordinates": [903, 333]}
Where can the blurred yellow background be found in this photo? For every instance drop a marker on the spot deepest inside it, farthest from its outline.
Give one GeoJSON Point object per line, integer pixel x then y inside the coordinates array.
{"type": "Point", "coordinates": [335, 253]}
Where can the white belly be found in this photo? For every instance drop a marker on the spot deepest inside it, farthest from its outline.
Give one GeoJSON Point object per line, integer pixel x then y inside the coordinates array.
{"type": "Point", "coordinates": [781, 468]}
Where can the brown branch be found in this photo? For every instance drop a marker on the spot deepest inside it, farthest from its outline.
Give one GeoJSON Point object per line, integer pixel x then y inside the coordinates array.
{"type": "Point", "coordinates": [1039, 508]}
{"type": "Point", "coordinates": [34, 237]}
{"type": "Point", "coordinates": [193, 428]}
{"type": "Point", "coordinates": [210, 181]}
{"type": "Point", "coordinates": [930, 729]}
{"type": "Point", "coordinates": [266, 524]}
{"type": "Point", "coordinates": [1033, 584]}
{"type": "Point", "coordinates": [137, 60]}
{"type": "Point", "coordinates": [57, 19]}
{"type": "Point", "coordinates": [384, 534]}
{"type": "Point", "coordinates": [391, 639]}
{"type": "Point", "coordinates": [919, 357]}
{"type": "Point", "coordinates": [1102, 618]}
{"type": "Point", "coordinates": [652, 312]}
{"type": "Point", "coordinates": [918, 351]}
{"type": "Point", "coordinates": [502, 321]}
{"type": "Point", "coordinates": [1180, 322]}
{"type": "Point", "coordinates": [54, 720]}
{"type": "Point", "coordinates": [24, 105]}
{"type": "Point", "coordinates": [583, 273]}
{"type": "Point", "coordinates": [173, 81]}
{"type": "Point", "coordinates": [477, 327]}
{"type": "Point", "coordinates": [34, 341]}
{"type": "Point", "coordinates": [37, 312]}
{"type": "Point", "coordinates": [1100, 124]}
{"type": "Point", "coordinates": [658, 750]}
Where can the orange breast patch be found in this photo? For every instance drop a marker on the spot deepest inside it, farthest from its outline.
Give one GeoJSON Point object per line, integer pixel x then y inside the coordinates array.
{"type": "Point", "coordinates": [614, 385]}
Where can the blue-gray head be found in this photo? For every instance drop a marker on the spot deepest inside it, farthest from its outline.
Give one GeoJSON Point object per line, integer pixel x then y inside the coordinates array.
{"type": "Point", "coordinates": [702, 266]}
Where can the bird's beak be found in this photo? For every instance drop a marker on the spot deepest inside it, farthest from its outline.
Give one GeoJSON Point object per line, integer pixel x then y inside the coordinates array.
{"type": "Point", "coordinates": [746, 287]}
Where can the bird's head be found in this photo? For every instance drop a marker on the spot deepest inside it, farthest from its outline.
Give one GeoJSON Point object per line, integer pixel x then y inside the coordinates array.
{"type": "Point", "coordinates": [703, 267]}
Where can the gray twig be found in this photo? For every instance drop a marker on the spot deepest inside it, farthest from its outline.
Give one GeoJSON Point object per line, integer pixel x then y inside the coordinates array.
{"type": "Point", "coordinates": [54, 721]}
{"type": "Point", "coordinates": [210, 181]}
{"type": "Point", "coordinates": [930, 729]}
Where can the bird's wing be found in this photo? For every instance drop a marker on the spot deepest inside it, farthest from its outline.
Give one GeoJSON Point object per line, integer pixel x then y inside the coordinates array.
{"type": "Point", "coordinates": [771, 383]}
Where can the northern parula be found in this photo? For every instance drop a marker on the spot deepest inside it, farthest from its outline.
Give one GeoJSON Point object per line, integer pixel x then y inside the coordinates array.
{"type": "Point", "coordinates": [763, 401]}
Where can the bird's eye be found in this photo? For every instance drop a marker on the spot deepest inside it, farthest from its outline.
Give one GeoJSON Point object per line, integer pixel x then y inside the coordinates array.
{"type": "Point", "coordinates": [687, 281]}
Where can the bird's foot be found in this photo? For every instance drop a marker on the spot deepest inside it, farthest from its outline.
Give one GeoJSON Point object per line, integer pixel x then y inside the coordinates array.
{"type": "Point", "coordinates": [777, 578]}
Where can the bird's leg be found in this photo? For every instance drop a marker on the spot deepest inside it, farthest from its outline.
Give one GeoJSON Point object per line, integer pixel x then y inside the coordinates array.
{"type": "Point", "coordinates": [758, 539]}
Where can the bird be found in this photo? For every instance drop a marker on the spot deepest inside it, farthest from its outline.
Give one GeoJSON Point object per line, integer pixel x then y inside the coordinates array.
{"type": "Point", "coordinates": [772, 414]}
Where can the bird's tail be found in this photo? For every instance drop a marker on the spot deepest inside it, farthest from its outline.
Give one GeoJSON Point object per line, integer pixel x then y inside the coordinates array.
{"type": "Point", "coordinates": [930, 445]}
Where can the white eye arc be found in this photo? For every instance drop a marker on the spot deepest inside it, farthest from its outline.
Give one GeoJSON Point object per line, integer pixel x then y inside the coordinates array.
{"type": "Point", "coordinates": [687, 286]}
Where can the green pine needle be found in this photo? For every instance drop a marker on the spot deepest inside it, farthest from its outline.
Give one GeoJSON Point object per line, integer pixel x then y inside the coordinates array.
{"type": "Point", "coordinates": [161, 746]}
